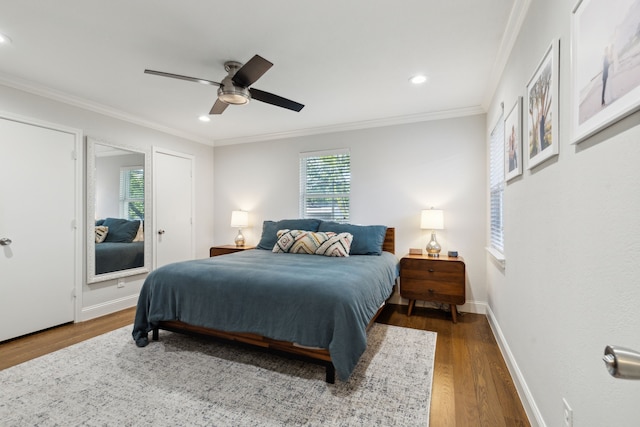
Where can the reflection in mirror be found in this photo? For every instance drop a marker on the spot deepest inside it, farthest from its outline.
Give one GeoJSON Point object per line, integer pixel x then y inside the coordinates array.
{"type": "Point", "coordinates": [117, 205]}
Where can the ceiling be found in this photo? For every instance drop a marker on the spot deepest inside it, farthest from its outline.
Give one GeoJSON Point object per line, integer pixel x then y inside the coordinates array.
{"type": "Point", "coordinates": [349, 62]}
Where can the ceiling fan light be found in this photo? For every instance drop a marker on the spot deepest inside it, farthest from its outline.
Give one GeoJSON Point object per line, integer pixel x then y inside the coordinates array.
{"type": "Point", "coordinates": [234, 96]}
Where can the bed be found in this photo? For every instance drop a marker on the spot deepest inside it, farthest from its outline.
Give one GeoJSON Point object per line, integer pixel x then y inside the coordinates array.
{"type": "Point", "coordinates": [116, 256]}
{"type": "Point", "coordinates": [312, 307]}
{"type": "Point", "coordinates": [119, 245]}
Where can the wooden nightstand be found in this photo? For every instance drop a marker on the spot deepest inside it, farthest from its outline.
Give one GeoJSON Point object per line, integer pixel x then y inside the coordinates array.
{"type": "Point", "coordinates": [427, 278]}
{"type": "Point", "coordinates": [227, 249]}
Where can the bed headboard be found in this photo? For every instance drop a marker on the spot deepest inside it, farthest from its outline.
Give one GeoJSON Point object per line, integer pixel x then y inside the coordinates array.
{"type": "Point", "coordinates": [389, 244]}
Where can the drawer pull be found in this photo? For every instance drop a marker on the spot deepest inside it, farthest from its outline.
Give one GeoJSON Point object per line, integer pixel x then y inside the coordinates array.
{"type": "Point", "coordinates": [431, 270]}
{"type": "Point", "coordinates": [431, 291]}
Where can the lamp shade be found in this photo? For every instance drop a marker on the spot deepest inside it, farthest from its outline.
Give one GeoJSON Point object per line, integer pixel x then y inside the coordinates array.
{"type": "Point", "coordinates": [239, 219]}
{"type": "Point", "coordinates": [432, 219]}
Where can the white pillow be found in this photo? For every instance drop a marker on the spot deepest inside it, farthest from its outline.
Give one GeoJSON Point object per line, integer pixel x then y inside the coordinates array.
{"type": "Point", "coordinates": [309, 242]}
{"type": "Point", "coordinates": [101, 233]}
{"type": "Point", "coordinates": [140, 235]}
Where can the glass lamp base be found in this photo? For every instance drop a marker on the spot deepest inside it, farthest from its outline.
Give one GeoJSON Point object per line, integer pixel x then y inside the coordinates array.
{"type": "Point", "coordinates": [239, 239]}
{"type": "Point", "coordinates": [433, 247]}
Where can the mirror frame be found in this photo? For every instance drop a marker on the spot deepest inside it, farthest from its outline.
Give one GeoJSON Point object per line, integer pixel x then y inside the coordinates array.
{"type": "Point", "coordinates": [92, 277]}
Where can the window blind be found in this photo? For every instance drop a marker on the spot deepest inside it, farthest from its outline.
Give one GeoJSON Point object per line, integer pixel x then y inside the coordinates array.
{"type": "Point", "coordinates": [132, 192]}
{"type": "Point", "coordinates": [496, 184]}
{"type": "Point", "coordinates": [325, 185]}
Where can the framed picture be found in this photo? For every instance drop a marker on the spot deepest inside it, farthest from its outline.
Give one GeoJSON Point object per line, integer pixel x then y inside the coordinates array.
{"type": "Point", "coordinates": [605, 65]}
{"type": "Point", "coordinates": [542, 109]}
{"type": "Point", "coordinates": [513, 142]}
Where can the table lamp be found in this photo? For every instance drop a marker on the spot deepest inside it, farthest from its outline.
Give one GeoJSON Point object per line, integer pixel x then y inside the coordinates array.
{"type": "Point", "coordinates": [239, 219]}
{"type": "Point", "coordinates": [432, 219]}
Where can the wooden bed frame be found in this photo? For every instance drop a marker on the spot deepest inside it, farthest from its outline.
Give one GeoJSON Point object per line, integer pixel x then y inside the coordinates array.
{"type": "Point", "coordinates": [319, 356]}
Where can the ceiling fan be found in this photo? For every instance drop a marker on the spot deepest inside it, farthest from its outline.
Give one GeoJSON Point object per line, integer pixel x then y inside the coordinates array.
{"type": "Point", "coordinates": [234, 88]}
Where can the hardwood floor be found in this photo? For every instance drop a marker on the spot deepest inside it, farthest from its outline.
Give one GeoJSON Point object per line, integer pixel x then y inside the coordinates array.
{"type": "Point", "coordinates": [471, 384]}
{"type": "Point", "coordinates": [29, 347]}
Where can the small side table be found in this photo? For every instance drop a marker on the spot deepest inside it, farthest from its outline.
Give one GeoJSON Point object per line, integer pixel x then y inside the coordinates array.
{"type": "Point", "coordinates": [440, 279]}
{"type": "Point", "coordinates": [227, 249]}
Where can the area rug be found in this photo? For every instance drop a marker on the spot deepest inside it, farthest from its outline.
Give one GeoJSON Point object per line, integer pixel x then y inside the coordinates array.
{"type": "Point", "coordinates": [187, 381]}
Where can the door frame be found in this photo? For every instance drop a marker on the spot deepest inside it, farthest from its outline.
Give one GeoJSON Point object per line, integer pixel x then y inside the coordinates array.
{"type": "Point", "coordinates": [163, 151]}
{"type": "Point", "coordinates": [79, 200]}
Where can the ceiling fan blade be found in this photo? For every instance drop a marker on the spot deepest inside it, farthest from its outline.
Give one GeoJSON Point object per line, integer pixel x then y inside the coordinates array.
{"type": "Point", "coordinates": [181, 77]}
{"type": "Point", "coordinates": [276, 100]}
{"type": "Point", "coordinates": [251, 71]}
{"type": "Point", "coordinates": [218, 107]}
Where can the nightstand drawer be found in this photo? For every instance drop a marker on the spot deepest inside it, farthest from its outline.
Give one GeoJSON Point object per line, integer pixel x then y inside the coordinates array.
{"type": "Point", "coordinates": [434, 270]}
{"type": "Point", "coordinates": [432, 290]}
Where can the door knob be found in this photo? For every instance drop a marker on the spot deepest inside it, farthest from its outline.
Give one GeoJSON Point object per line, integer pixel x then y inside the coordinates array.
{"type": "Point", "coordinates": [160, 231]}
{"type": "Point", "coordinates": [5, 241]}
{"type": "Point", "coordinates": [622, 362]}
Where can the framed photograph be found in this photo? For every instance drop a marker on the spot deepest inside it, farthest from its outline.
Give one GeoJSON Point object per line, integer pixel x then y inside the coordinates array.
{"type": "Point", "coordinates": [542, 109]}
{"type": "Point", "coordinates": [605, 64]}
{"type": "Point", "coordinates": [513, 142]}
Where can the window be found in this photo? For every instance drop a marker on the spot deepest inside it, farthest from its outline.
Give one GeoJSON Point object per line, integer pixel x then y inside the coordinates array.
{"type": "Point", "coordinates": [325, 184]}
{"type": "Point", "coordinates": [132, 192]}
{"type": "Point", "coordinates": [496, 184]}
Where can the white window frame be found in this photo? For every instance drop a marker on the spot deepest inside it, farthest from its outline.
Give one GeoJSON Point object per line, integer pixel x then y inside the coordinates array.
{"type": "Point", "coordinates": [125, 182]}
{"type": "Point", "coordinates": [329, 214]}
{"type": "Point", "coordinates": [496, 191]}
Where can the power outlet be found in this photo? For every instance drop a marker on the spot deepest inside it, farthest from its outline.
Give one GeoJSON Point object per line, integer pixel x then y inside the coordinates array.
{"type": "Point", "coordinates": [121, 283]}
{"type": "Point", "coordinates": [567, 414]}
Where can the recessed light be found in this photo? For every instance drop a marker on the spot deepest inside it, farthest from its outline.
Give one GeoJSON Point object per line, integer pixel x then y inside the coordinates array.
{"type": "Point", "coordinates": [204, 118]}
{"type": "Point", "coordinates": [418, 79]}
{"type": "Point", "coordinates": [4, 39]}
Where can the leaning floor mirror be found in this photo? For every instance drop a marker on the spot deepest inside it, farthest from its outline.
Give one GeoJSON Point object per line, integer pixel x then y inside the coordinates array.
{"type": "Point", "coordinates": [118, 202]}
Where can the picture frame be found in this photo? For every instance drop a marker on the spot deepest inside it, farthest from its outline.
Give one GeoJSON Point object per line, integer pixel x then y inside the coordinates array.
{"type": "Point", "coordinates": [513, 141]}
{"type": "Point", "coordinates": [542, 109]}
{"type": "Point", "coordinates": [605, 67]}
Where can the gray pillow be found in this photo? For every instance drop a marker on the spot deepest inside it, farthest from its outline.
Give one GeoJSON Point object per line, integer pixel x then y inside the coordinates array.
{"type": "Point", "coordinates": [270, 229]}
{"type": "Point", "coordinates": [367, 239]}
{"type": "Point", "coordinates": [121, 230]}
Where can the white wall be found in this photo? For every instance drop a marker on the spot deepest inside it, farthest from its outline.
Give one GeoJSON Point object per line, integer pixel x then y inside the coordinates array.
{"type": "Point", "coordinates": [108, 182]}
{"type": "Point", "coordinates": [396, 172]}
{"type": "Point", "coordinates": [572, 244]}
{"type": "Point", "coordinates": [105, 297]}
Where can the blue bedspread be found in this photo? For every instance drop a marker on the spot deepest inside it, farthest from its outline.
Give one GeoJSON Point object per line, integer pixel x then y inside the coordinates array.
{"type": "Point", "coordinates": [116, 256]}
{"type": "Point", "coordinates": [310, 300]}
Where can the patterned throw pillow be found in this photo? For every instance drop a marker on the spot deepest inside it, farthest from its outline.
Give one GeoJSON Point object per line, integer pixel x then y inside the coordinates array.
{"type": "Point", "coordinates": [140, 236]}
{"type": "Point", "coordinates": [101, 233]}
{"type": "Point", "coordinates": [338, 245]}
{"type": "Point", "coordinates": [309, 242]}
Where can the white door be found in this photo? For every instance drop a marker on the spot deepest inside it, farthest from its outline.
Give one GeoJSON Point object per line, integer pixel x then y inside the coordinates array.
{"type": "Point", "coordinates": [173, 200]}
{"type": "Point", "coordinates": [37, 219]}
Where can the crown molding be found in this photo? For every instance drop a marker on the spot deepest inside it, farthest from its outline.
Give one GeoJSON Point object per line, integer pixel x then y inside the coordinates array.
{"type": "Point", "coordinates": [342, 127]}
{"type": "Point", "coordinates": [97, 108]}
{"type": "Point", "coordinates": [509, 37]}
{"type": "Point", "coordinates": [366, 124]}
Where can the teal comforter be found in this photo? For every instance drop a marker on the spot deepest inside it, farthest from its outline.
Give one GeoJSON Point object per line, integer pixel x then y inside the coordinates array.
{"type": "Point", "coordinates": [311, 300]}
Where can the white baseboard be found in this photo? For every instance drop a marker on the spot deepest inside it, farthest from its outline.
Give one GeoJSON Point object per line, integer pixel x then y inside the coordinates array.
{"type": "Point", "coordinates": [477, 307]}
{"type": "Point", "coordinates": [530, 407]}
{"type": "Point", "coordinates": [108, 307]}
